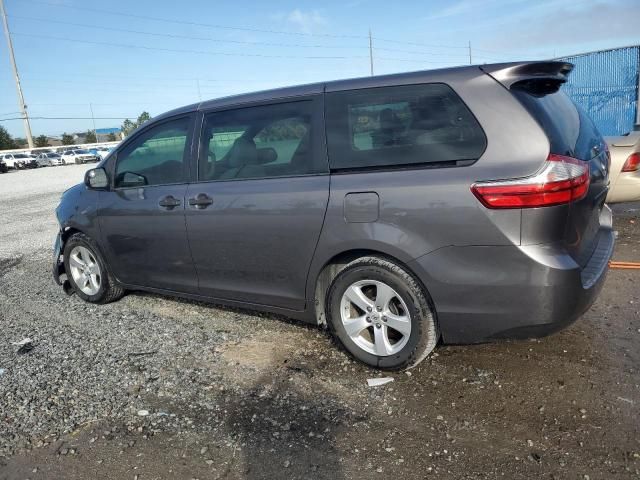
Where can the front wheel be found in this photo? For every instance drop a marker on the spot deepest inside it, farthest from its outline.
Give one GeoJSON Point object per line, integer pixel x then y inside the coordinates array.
{"type": "Point", "coordinates": [87, 271]}
{"type": "Point", "coordinates": [381, 314]}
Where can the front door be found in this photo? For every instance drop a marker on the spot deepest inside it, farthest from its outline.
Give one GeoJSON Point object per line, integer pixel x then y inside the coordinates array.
{"type": "Point", "coordinates": [142, 219]}
{"type": "Point", "coordinates": [255, 216]}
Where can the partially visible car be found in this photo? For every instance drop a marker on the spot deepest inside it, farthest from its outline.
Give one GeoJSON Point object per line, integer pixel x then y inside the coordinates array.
{"type": "Point", "coordinates": [625, 167]}
{"type": "Point", "coordinates": [102, 152]}
{"type": "Point", "coordinates": [17, 161]}
{"type": "Point", "coordinates": [3, 166]}
{"type": "Point", "coordinates": [49, 159]}
{"type": "Point", "coordinates": [79, 156]}
{"type": "Point", "coordinates": [31, 161]}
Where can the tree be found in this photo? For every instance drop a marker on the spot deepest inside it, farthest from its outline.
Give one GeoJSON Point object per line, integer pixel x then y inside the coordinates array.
{"type": "Point", "coordinates": [6, 140]}
{"type": "Point", "coordinates": [111, 137]}
{"type": "Point", "coordinates": [42, 141]}
{"type": "Point", "coordinates": [143, 117]}
{"type": "Point", "coordinates": [129, 126]}
{"type": "Point", "coordinates": [67, 139]}
{"type": "Point", "coordinates": [90, 137]}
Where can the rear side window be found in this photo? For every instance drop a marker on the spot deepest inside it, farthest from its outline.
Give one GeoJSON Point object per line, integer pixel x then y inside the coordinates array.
{"type": "Point", "coordinates": [404, 125]}
{"type": "Point", "coordinates": [570, 130]}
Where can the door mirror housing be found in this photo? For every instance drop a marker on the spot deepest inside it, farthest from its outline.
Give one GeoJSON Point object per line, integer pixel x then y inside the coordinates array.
{"type": "Point", "coordinates": [96, 179]}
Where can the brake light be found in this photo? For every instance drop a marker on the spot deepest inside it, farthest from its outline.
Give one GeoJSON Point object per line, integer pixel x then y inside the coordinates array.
{"type": "Point", "coordinates": [632, 164]}
{"type": "Point", "coordinates": [560, 180]}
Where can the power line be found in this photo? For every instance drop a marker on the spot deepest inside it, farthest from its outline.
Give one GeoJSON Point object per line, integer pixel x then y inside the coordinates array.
{"type": "Point", "coordinates": [180, 50]}
{"type": "Point", "coordinates": [245, 29]}
{"type": "Point", "coordinates": [69, 118]}
{"type": "Point", "coordinates": [235, 42]}
{"type": "Point", "coordinates": [197, 24]}
{"type": "Point", "coordinates": [228, 54]}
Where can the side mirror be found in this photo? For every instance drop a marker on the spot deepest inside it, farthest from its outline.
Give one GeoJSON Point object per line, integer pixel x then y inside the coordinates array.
{"type": "Point", "coordinates": [96, 178]}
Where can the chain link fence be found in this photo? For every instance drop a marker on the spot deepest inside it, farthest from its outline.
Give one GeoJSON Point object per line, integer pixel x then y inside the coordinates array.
{"type": "Point", "coordinates": [605, 84]}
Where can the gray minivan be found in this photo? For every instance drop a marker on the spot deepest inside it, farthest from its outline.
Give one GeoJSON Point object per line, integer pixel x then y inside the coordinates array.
{"type": "Point", "coordinates": [462, 205]}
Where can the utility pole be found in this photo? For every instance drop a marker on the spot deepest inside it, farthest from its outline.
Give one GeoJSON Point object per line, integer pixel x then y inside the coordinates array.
{"type": "Point", "coordinates": [95, 132]}
{"type": "Point", "coordinates": [371, 52]}
{"type": "Point", "coordinates": [470, 57]}
{"type": "Point", "coordinates": [23, 107]}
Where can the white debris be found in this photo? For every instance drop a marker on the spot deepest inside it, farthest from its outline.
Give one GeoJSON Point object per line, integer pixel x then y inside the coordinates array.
{"type": "Point", "coordinates": [143, 413]}
{"type": "Point", "coordinates": [377, 382]}
{"type": "Point", "coordinates": [2, 370]}
{"type": "Point", "coordinates": [23, 342]}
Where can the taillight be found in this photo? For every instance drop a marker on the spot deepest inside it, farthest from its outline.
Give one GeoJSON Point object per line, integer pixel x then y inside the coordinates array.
{"type": "Point", "coordinates": [632, 164]}
{"type": "Point", "coordinates": [560, 180]}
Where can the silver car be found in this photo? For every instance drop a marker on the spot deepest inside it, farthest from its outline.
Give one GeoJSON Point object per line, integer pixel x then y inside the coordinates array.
{"type": "Point", "coordinates": [625, 168]}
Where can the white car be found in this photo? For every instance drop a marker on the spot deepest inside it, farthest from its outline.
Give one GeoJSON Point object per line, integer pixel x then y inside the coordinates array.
{"type": "Point", "coordinates": [16, 160]}
{"type": "Point", "coordinates": [49, 159]}
{"type": "Point", "coordinates": [624, 175]}
{"type": "Point", "coordinates": [78, 156]}
{"type": "Point", "coordinates": [102, 152]}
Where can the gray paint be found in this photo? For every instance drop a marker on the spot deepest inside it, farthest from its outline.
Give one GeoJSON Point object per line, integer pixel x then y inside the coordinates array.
{"type": "Point", "coordinates": [265, 243]}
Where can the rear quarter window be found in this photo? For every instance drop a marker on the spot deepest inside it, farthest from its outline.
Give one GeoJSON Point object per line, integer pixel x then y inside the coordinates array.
{"type": "Point", "coordinates": [400, 126]}
{"type": "Point", "coordinates": [569, 129]}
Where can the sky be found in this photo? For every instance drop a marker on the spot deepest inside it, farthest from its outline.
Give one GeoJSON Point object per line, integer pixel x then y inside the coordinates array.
{"type": "Point", "coordinates": [118, 58]}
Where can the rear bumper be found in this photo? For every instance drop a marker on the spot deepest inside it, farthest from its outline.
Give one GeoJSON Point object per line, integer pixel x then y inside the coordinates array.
{"type": "Point", "coordinates": [485, 293]}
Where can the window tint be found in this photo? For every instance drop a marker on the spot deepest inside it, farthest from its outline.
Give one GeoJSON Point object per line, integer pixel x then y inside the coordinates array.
{"type": "Point", "coordinates": [259, 142]}
{"type": "Point", "coordinates": [156, 157]}
{"type": "Point", "coordinates": [569, 129]}
{"type": "Point", "coordinates": [389, 126]}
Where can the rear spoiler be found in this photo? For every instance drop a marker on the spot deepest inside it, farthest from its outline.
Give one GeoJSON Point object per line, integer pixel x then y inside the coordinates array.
{"type": "Point", "coordinates": [547, 76]}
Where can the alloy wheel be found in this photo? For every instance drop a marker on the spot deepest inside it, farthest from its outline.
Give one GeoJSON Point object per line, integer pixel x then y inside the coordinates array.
{"type": "Point", "coordinates": [375, 317]}
{"type": "Point", "coordinates": [85, 270]}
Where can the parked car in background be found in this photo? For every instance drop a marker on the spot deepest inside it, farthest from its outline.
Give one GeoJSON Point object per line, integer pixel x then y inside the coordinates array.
{"type": "Point", "coordinates": [49, 159]}
{"type": "Point", "coordinates": [102, 152]}
{"type": "Point", "coordinates": [625, 168]}
{"type": "Point", "coordinates": [463, 204]}
{"type": "Point", "coordinates": [79, 156]}
{"type": "Point", "coordinates": [17, 161]}
{"type": "Point", "coordinates": [31, 161]}
{"type": "Point", "coordinates": [3, 166]}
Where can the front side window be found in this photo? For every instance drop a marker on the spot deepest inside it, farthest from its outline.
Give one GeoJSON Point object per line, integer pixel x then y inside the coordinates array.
{"type": "Point", "coordinates": [259, 142]}
{"type": "Point", "coordinates": [156, 157]}
{"type": "Point", "coordinates": [390, 126]}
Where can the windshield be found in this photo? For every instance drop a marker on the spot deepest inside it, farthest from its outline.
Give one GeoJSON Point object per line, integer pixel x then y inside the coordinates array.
{"type": "Point", "coordinates": [81, 152]}
{"type": "Point", "coordinates": [20, 155]}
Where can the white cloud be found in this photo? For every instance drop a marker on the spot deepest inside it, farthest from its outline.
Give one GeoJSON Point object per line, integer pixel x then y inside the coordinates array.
{"type": "Point", "coordinates": [303, 21]}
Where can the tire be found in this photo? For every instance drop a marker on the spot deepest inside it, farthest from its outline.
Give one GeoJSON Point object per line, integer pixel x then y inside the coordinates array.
{"type": "Point", "coordinates": [378, 277]}
{"type": "Point", "coordinates": [109, 290]}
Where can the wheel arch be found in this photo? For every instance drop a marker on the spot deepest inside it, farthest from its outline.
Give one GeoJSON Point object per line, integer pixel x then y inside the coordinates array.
{"type": "Point", "coordinates": [334, 265]}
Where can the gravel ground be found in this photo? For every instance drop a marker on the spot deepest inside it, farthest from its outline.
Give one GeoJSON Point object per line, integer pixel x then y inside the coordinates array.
{"type": "Point", "coordinates": [154, 387]}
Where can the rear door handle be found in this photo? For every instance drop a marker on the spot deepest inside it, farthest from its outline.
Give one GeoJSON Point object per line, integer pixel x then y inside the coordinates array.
{"type": "Point", "coordinates": [202, 200]}
{"type": "Point", "coordinates": [169, 202]}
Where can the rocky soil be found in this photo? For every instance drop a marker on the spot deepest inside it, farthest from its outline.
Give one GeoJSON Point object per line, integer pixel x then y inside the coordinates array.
{"type": "Point", "coordinates": [154, 387]}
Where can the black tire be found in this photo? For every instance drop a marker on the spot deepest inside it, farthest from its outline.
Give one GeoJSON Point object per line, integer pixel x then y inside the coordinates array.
{"type": "Point", "coordinates": [109, 290]}
{"type": "Point", "coordinates": [424, 333]}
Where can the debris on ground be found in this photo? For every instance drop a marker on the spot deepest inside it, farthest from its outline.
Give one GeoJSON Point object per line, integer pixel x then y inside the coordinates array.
{"type": "Point", "coordinates": [378, 382]}
{"type": "Point", "coordinates": [25, 345]}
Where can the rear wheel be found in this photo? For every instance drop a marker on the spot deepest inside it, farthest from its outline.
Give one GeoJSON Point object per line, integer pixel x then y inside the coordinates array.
{"type": "Point", "coordinates": [381, 314]}
{"type": "Point", "coordinates": [87, 271]}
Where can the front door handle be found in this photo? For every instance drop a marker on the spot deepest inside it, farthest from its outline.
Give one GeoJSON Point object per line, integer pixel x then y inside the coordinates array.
{"type": "Point", "coordinates": [200, 201]}
{"type": "Point", "coordinates": [169, 202]}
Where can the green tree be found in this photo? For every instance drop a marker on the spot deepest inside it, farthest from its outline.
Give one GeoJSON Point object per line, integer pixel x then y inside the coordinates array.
{"type": "Point", "coordinates": [67, 139]}
{"type": "Point", "coordinates": [42, 141]}
{"type": "Point", "coordinates": [111, 137]}
{"type": "Point", "coordinates": [143, 117]}
{"type": "Point", "coordinates": [129, 126]}
{"type": "Point", "coordinates": [6, 140]}
{"type": "Point", "coordinates": [90, 137]}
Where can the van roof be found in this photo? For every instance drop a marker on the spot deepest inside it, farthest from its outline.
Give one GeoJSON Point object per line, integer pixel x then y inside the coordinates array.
{"type": "Point", "coordinates": [420, 76]}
